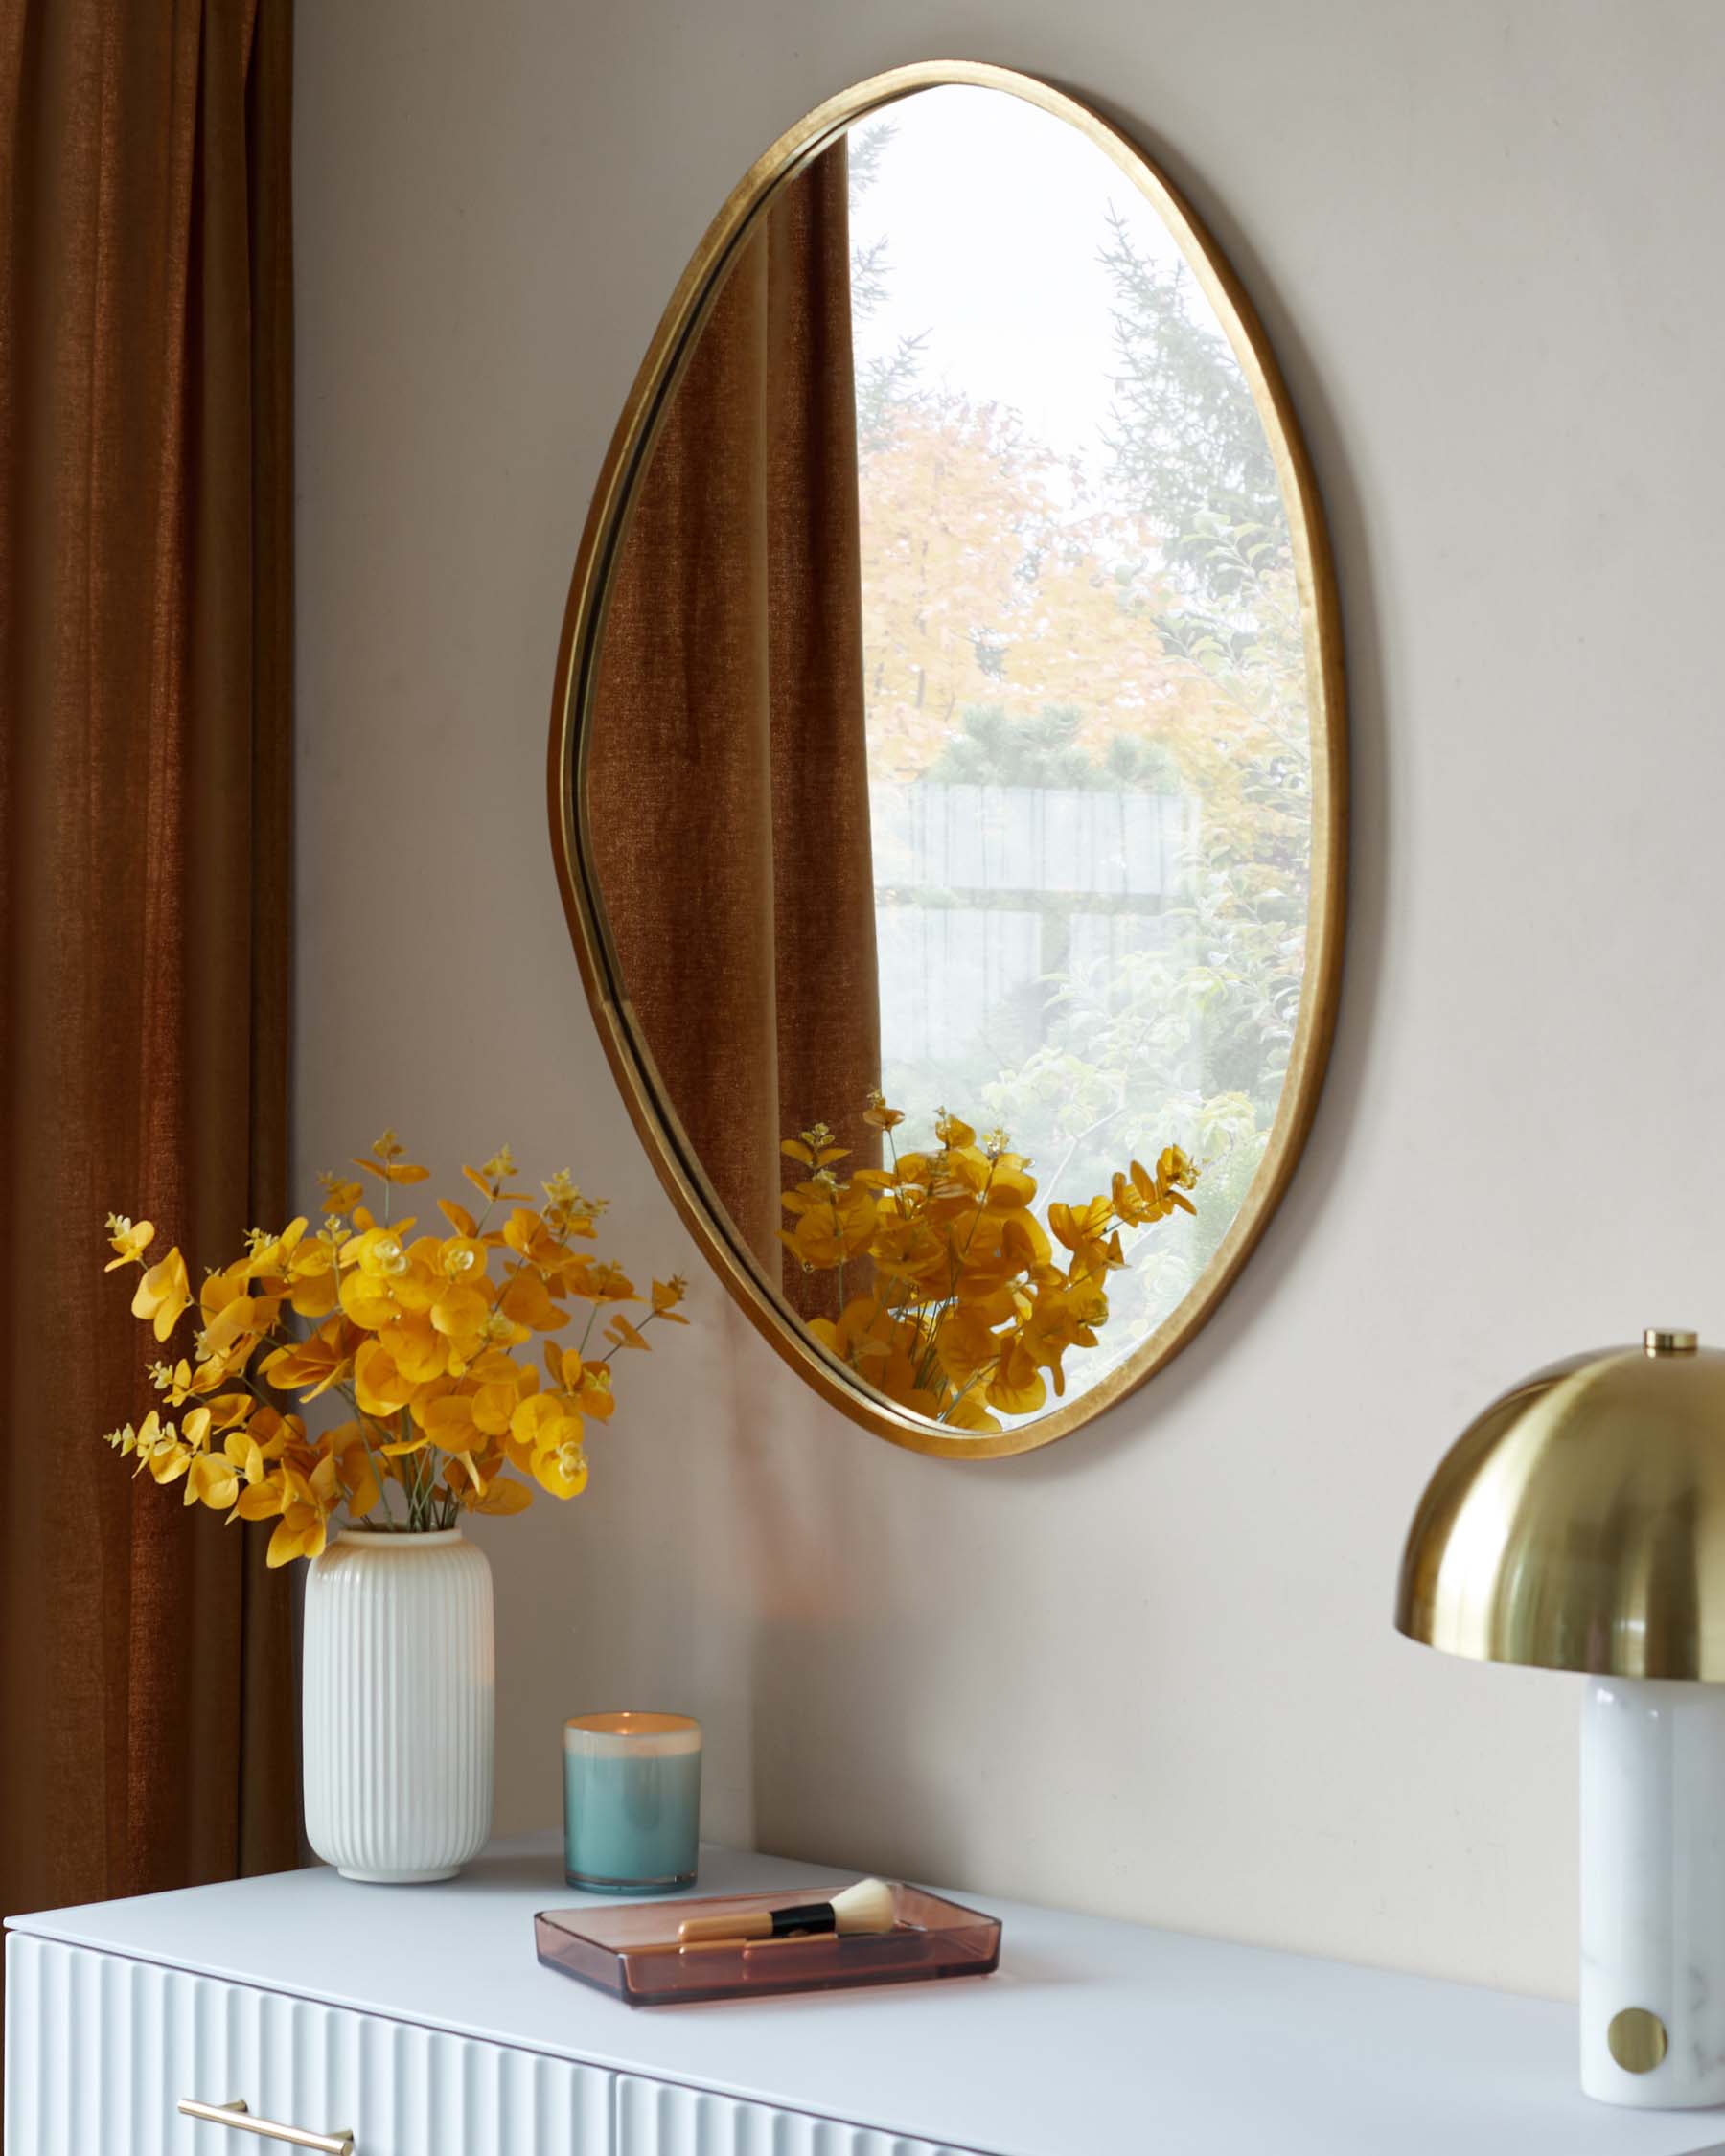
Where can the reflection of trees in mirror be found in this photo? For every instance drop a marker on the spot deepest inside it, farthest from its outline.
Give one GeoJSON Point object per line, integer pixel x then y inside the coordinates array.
{"type": "Point", "coordinates": [994, 746]}
{"type": "Point", "coordinates": [882, 382]}
{"type": "Point", "coordinates": [1184, 436]}
{"type": "Point", "coordinates": [1192, 1036]}
{"type": "Point", "coordinates": [1185, 1023]}
{"type": "Point", "coordinates": [1091, 757]}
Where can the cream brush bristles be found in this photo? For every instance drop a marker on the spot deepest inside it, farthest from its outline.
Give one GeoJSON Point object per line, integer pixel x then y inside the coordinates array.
{"type": "Point", "coordinates": [866, 1907]}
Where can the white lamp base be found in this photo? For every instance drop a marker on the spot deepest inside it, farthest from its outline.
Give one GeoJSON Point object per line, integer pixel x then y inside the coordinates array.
{"type": "Point", "coordinates": [1653, 1893]}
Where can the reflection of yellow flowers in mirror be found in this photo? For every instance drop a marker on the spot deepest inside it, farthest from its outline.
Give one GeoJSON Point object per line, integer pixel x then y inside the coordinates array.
{"type": "Point", "coordinates": [967, 1308]}
{"type": "Point", "coordinates": [412, 1333]}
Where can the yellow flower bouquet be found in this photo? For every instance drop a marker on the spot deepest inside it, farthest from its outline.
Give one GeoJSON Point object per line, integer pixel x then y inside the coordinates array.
{"type": "Point", "coordinates": [411, 1332]}
{"type": "Point", "coordinates": [967, 1305]}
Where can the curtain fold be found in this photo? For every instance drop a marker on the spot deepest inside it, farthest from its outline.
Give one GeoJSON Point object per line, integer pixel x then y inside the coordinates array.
{"type": "Point", "coordinates": [147, 1699]}
{"type": "Point", "coordinates": [727, 770]}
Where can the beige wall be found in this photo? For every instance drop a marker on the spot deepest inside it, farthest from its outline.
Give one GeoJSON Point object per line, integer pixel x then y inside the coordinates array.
{"type": "Point", "coordinates": [1150, 1669]}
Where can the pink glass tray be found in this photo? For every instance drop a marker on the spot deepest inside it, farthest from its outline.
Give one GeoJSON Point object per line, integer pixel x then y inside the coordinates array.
{"type": "Point", "coordinates": [613, 1948]}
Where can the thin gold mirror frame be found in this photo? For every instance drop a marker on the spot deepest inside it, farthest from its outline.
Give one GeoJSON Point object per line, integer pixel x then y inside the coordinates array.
{"type": "Point", "coordinates": [584, 623]}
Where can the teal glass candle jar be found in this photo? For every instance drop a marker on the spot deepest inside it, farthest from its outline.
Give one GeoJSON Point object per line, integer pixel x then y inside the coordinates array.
{"type": "Point", "coordinates": [632, 1801]}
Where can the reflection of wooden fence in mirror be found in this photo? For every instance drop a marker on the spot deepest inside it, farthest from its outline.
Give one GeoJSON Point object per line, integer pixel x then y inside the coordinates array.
{"type": "Point", "coordinates": [984, 895]}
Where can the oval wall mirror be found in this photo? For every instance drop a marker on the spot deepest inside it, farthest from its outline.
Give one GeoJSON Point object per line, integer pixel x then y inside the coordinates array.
{"type": "Point", "coordinates": [948, 760]}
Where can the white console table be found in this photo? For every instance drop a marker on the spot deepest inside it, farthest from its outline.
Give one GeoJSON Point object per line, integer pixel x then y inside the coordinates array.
{"type": "Point", "coordinates": [419, 2018]}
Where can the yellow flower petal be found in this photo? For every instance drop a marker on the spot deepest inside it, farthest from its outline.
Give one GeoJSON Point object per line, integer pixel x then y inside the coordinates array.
{"type": "Point", "coordinates": [211, 1481]}
{"type": "Point", "coordinates": [502, 1496]}
{"type": "Point", "coordinates": [379, 1385]}
{"type": "Point", "coordinates": [163, 1294]}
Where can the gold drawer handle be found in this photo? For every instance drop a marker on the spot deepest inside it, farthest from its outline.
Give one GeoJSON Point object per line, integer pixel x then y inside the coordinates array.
{"type": "Point", "coordinates": [235, 2113]}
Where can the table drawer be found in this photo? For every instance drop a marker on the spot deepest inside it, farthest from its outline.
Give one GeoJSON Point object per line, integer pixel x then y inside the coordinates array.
{"type": "Point", "coordinates": [100, 2051]}
{"type": "Point", "coordinates": [660, 2119]}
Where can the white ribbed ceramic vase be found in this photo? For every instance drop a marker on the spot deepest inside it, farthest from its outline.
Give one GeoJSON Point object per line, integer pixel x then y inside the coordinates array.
{"type": "Point", "coordinates": [399, 1705]}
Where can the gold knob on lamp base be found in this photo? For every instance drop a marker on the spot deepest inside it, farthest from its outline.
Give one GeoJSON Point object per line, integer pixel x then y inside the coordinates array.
{"type": "Point", "coordinates": [1637, 2039]}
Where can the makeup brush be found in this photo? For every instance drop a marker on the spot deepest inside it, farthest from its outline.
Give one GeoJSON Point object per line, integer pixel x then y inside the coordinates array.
{"type": "Point", "coordinates": [866, 1907]}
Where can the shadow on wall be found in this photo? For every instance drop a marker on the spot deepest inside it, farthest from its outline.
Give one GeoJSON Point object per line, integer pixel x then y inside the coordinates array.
{"type": "Point", "coordinates": [848, 1759]}
{"type": "Point", "coordinates": [1367, 868]}
{"type": "Point", "coordinates": [835, 1757]}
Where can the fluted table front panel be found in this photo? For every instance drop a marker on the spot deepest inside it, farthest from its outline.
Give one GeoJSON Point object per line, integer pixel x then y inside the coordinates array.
{"type": "Point", "coordinates": [399, 1708]}
{"type": "Point", "coordinates": [101, 2050]}
{"type": "Point", "coordinates": [660, 2119]}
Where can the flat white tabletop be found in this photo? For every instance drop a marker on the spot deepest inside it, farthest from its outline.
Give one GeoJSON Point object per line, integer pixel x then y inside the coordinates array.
{"type": "Point", "coordinates": [1092, 2035]}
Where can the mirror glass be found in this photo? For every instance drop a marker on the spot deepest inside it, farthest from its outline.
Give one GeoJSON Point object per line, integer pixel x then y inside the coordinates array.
{"type": "Point", "coordinates": [949, 753]}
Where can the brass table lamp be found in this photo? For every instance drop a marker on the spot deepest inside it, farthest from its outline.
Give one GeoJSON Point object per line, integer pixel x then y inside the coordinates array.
{"type": "Point", "coordinates": [1579, 1523]}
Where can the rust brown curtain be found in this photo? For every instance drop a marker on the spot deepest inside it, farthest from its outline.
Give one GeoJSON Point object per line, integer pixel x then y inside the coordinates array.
{"type": "Point", "coordinates": [727, 774]}
{"type": "Point", "coordinates": [146, 1697]}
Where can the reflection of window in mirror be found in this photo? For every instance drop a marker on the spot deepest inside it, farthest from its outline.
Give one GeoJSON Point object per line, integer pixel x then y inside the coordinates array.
{"type": "Point", "coordinates": [1084, 671]}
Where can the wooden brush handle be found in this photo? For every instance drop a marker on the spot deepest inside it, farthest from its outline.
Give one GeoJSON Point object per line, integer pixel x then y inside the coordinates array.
{"type": "Point", "coordinates": [731, 1946]}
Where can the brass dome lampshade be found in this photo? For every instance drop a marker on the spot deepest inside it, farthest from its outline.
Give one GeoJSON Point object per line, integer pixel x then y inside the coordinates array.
{"type": "Point", "coordinates": [1578, 1524]}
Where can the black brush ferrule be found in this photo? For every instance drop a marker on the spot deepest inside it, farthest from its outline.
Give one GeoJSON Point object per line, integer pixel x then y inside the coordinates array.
{"type": "Point", "coordinates": [805, 1916]}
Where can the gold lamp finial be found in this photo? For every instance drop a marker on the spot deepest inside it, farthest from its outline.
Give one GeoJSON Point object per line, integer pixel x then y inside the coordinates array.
{"type": "Point", "coordinates": [1579, 1523]}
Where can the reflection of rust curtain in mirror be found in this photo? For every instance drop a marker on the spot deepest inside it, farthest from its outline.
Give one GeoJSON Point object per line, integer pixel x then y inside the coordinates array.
{"type": "Point", "coordinates": [730, 700]}
{"type": "Point", "coordinates": [146, 1707]}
